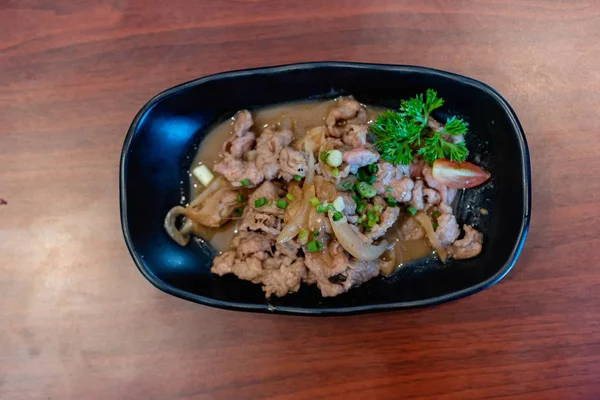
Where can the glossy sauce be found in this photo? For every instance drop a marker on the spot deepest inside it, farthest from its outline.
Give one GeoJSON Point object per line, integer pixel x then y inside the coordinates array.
{"type": "Point", "coordinates": [305, 116]}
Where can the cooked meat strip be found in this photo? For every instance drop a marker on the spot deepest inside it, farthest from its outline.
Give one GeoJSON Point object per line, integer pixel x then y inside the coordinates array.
{"type": "Point", "coordinates": [249, 269]}
{"type": "Point", "coordinates": [432, 196]}
{"type": "Point", "coordinates": [268, 147]}
{"type": "Point", "coordinates": [258, 221]}
{"type": "Point", "coordinates": [386, 220]}
{"type": "Point", "coordinates": [243, 138]}
{"type": "Point", "coordinates": [271, 193]}
{"type": "Point", "coordinates": [416, 199]}
{"type": "Point", "coordinates": [402, 189]}
{"type": "Point", "coordinates": [349, 204]}
{"type": "Point", "coordinates": [356, 135]}
{"type": "Point", "coordinates": [361, 157]}
{"type": "Point", "coordinates": [469, 246]}
{"type": "Point", "coordinates": [236, 171]}
{"type": "Point", "coordinates": [344, 110]}
{"type": "Point", "coordinates": [447, 230]}
{"type": "Point", "coordinates": [285, 279]}
{"type": "Point", "coordinates": [217, 208]}
{"type": "Point", "coordinates": [249, 243]}
{"type": "Point", "coordinates": [446, 194]}
{"type": "Point", "coordinates": [291, 163]}
{"type": "Point", "coordinates": [387, 173]}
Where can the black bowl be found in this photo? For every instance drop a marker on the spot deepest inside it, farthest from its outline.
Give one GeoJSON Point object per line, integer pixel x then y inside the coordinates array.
{"type": "Point", "coordinates": [163, 136]}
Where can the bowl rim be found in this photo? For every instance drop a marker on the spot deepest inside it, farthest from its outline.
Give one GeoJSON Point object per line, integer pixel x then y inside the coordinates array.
{"type": "Point", "coordinates": [269, 308]}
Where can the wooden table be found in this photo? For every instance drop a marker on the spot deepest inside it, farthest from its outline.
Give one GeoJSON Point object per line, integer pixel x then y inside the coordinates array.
{"type": "Point", "coordinates": [78, 321]}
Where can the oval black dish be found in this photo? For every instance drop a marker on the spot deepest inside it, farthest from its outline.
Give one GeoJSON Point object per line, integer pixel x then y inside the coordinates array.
{"type": "Point", "coordinates": [160, 145]}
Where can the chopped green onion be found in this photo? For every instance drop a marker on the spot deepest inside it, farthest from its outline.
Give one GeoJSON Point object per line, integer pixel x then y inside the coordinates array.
{"type": "Point", "coordinates": [321, 208]}
{"type": "Point", "coordinates": [281, 203]}
{"type": "Point", "coordinates": [360, 208]}
{"type": "Point", "coordinates": [260, 202]}
{"type": "Point", "coordinates": [435, 225]}
{"type": "Point", "coordinates": [356, 199]}
{"type": "Point", "coordinates": [337, 216]}
{"type": "Point", "coordinates": [239, 211]}
{"type": "Point", "coordinates": [362, 174]}
{"type": "Point", "coordinates": [314, 201]}
{"type": "Point", "coordinates": [203, 174]}
{"type": "Point", "coordinates": [371, 216]}
{"type": "Point", "coordinates": [334, 158]}
{"type": "Point", "coordinates": [371, 223]}
{"type": "Point", "coordinates": [297, 178]}
{"type": "Point", "coordinates": [391, 202]}
{"type": "Point", "coordinates": [365, 190]}
{"type": "Point", "coordinates": [360, 219]}
{"type": "Point", "coordinates": [245, 182]}
{"type": "Point", "coordinates": [370, 180]}
{"type": "Point", "coordinates": [338, 204]}
{"type": "Point", "coordinates": [347, 185]}
{"type": "Point", "coordinates": [314, 246]}
{"type": "Point", "coordinates": [323, 156]}
{"type": "Point", "coordinates": [240, 198]}
{"type": "Point", "coordinates": [315, 233]}
{"type": "Point", "coordinates": [377, 208]}
{"type": "Point", "coordinates": [290, 197]}
{"type": "Point", "coordinates": [372, 168]}
{"type": "Point", "coordinates": [436, 215]}
{"type": "Point", "coordinates": [331, 207]}
{"type": "Point", "coordinates": [335, 172]}
{"type": "Point", "coordinates": [411, 210]}
{"type": "Point", "coordinates": [388, 189]}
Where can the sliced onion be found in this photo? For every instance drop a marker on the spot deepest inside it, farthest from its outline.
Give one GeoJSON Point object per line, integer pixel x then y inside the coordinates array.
{"type": "Point", "coordinates": [352, 243]}
{"type": "Point", "coordinates": [425, 222]}
{"type": "Point", "coordinates": [310, 173]}
{"type": "Point", "coordinates": [182, 237]}
{"type": "Point", "coordinates": [214, 185]}
{"type": "Point", "coordinates": [300, 220]}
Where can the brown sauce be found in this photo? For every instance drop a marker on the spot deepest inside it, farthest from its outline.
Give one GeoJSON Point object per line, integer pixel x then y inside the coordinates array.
{"type": "Point", "coordinates": [305, 115]}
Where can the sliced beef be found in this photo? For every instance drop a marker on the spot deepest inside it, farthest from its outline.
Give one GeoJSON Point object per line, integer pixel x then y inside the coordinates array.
{"type": "Point", "coordinates": [356, 135]}
{"type": "Point", "coordinates": [417, 200]}
{"type": "Point", "coordinates": [269, 145]}
{"type": "Point", "coordinates": [271, 193]}
{"type": "Point", "coordinates": [387, 173]}
{"type": "Point", "coordinates": [386, 220]}
{"type": "Point", "coordinates": [344, 110]}
{"type": "Point", "coordinates": [402, 189]}
{"type": "Point", "coordinates": [361, 157]}
{"type": "Point", "coordinates": [236, 170]}
{"type": "Point", "coordinates": [469, 246]}
{"type": "Point", "coordinates": [243, 138]}
{"type": "Point", "coordinates": [257, 221]}
{"type": "Point", "coordinates": [252, 243]}
{"type": "Point", "coordinates": [248, 269]}
{"type": "Point", "coordinates": [446, 194]}
{"type": "Point", "coordinates": [431, 196]}
{"type": "Point", "coordinates": [447, 230]}
{"type": "Point", "coordinates": [291, 163]}
{"type": "Point", "coordinates": [217, 208]}
{"type": "Point", "coordinates": [349, 204]}
{"type": "Point", "coordinates": [285, 279]}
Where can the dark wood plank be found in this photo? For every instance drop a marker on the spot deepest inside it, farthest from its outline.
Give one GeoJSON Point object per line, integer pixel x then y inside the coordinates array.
{"type": "Point", "coordinates": [79, 321]}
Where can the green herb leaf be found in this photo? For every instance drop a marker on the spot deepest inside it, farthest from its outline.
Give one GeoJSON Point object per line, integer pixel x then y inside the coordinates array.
{"type": "Point", "coordinates": [260, 202]}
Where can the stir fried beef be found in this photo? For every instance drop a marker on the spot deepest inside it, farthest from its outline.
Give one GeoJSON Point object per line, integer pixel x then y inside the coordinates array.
{"type": "Point", "coordinates": [286, 233]}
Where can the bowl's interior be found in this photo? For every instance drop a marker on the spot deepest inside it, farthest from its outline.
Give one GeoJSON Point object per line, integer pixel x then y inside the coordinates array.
{"type": "Point", "coordinates": [163, 139]}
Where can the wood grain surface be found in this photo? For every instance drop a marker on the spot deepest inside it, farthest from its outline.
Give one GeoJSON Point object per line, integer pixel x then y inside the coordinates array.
{"type": "Point", "coordinates": [78, 321]}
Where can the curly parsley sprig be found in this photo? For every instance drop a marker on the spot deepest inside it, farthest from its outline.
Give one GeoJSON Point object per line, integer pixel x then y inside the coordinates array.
{"type": "Point", "coordinates": [401, 135]}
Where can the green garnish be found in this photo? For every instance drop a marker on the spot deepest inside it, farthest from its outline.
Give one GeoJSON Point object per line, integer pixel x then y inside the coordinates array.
{"type": "Point", "coordinates": [245, 182]}
{"type": "Point", "coordinates": [337, 216]}
{"type": "Point", "coordinates": [281, 203]}
{"type": "Point", "coordinates": [303, 234]}
{"type": "Point", "coordinates": [260, 202]}
{"type": "Point", "coordinates": [360, 219]}
{"type": "Point", "coordinates": [391, 202]}
{"type": "Point", "coordinates": [314, 246]}
{"type": "Point", "coordinates": [323, 156]}
{"type": "Point", "coordinates": [239, 198]}
{"type": "Point", "coordinates": [321, 208]}
{"type": "Point", "coordinates": [388, 189]}
{"type": "Point", "coordinates": [290, 197]}
{"type": "Point", "coordinates": [239, 211]}
{"type": "Point", "coordinates": [297, 178]}
{"type": "Point", "coordinates": [401, 135]}
{"type": "Point", "coordinates": [360, 208]}
{"type": "Point", "coordinates": [436, 215]}
{"type": "Point", "coordinates": [411, 210]}
{"type": "Point", "coordinates": [356, 199]}
{"type": "Point", "coordinates": [314, 201]}
{"type": "Point", "coordinates": [335, 172]}
{"type": "Point", "coordinates": [347, 185]}
{"type": "Point", "coordinates": [377, 208]}
{"type": "Point", "coordinates": [371, 216]}
{"type": "Point", "coordinates": [315, 233]}
{"type": "Point", "coordinates": [435, 225]}
{"type": "Point", "coordinates": [331, 207]}
{"type": "Point", "coordinates": [365, 190]}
